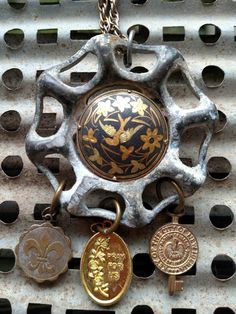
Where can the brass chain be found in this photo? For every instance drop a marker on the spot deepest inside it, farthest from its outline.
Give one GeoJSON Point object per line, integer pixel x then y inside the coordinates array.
{"type": "Point", "coordinates": [109, 18]}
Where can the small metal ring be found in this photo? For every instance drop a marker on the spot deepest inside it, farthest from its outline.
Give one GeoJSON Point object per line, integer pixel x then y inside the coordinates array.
{"type": "Point", "coordinates": [179, 209]}
{"type": "Point", "coordinates": [116, 223]}
{"type": "Point", "coordinates": [49, 212]}
{"type": "Point", "coordinates": [128, 57]}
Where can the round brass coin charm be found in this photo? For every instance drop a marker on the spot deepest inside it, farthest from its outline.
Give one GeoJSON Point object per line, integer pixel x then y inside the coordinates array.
{"type": "Point", "coordinates": [173, 249]}
{"type": "Point", "coordinates": [122, 135]}
{"type": "Point", "coordinates": [43, 252]}
{"type": "Point", "coordinates": [106, 268]}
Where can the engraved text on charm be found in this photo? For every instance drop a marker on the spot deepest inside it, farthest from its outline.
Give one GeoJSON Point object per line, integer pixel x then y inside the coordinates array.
{"type": "Point", "coordinates": [173, 249]}
{"type": "Point", "coordinates": [106, 268]}
{"type": "Point", "coordinates": [43, 252]}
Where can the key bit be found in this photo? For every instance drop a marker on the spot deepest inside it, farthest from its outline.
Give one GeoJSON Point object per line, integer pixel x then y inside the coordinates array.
{"type": "Point", "coordinates": [175, 285]}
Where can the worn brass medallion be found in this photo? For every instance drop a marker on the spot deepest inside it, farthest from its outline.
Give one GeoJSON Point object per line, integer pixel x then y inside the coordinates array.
{"type": "Point", "coordinates": [106, 268]}
{"type": "Point", "coordinates": [43, 252]}
{"type": "Point", "coordinates": [122, 135]}
{"type": "Point", "coordinates": [173, 249]}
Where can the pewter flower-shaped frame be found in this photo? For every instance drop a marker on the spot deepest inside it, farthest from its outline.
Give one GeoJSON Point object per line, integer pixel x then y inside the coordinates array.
{"type": "Point", "coordinates": [168, 60]}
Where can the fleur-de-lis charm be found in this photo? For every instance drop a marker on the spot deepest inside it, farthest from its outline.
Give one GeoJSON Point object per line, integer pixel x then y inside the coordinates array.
{"type": "Point", "coordinates": [43, 252]}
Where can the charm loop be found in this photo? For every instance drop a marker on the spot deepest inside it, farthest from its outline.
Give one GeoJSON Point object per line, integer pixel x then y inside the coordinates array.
{"type": "Point", "coordinates": [49, 212]}
{"type": "Point", "coordinates": [179, 209]}
{"type": "Point", "coordinates": [114, 226]}
{"type": "Point", "coordinates": [128, 55]}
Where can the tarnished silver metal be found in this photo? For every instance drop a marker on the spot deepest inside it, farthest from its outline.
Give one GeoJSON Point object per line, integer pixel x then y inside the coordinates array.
{"type": "Point", "coordinates": [110, 75]}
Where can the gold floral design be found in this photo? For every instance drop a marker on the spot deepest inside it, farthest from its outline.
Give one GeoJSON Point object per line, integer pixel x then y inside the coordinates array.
{"type": "Point", "coordinates": [151, 140]}
{"type": "Point", "coordinates": [96, 157]}
{"type": "Point", "coordinates": [97, 261]}
{"type": "Point", "coordinates": [126, 151]}
{"type": "Point", "coordinates": [104, 108]}
{"type": "Point", "coordinates": [90, 136]}
{"type": "Point", "coordinates": [129, 139]}
{"type": "Point", "coordinates": [138, 106]}
{"type": "Point", "coordinates": [122, 103]}
{"type": "Point", "coordinates": [136, 166]}
{"type": "Point", "coordinates": [115, 169]}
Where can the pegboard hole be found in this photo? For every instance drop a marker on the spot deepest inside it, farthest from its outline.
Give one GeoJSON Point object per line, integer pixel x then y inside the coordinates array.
{"type": "Point", "coordinates": [221, 217]}
{"type": "Point", "coordinates": [173, 33]}
{"type": "Point", "coordinates": [221, 122]}
{"type": "Point", "coordinates": [79, 78]}
{"type": "Point", "coordinates": [10, 121]}
{"type": "Point", "coordinates": [38, 210]}
{"type": "Point", "coordinates": [89, 312]}
{"type": "Point", "coordinates": [49, 2]}
{"type": "Point", "coordinates": [52, 164]}
{"type": "Point", "coordinates": [139, 2]}
{"type": "Point", "coordinates": [47, 36]}
{"type": "Point", "coordinates": [209, 33]}
{"type": "Point", "coordinates": [12, 166]}
{"type": "Point", "coordinates": [180, 91]}
{"type": "Point", "coordinates": [14, 38]}
{"type": "Point", "coordinates": [142, 309]}
{"type": "Point", "coordinates": [17, 4]}
{"type": "Point", "coordinates": [189, 216]}
{"type": "Point", "coordinates": [208, 1]}
{"type": "Point", "coordinates": [51, 118]}
{"type": "Point", "coordinates": [139, 69]}
{"type": "Point", "coordinates": [219, 168]}
{"type": "Point", "coordinates": [84, 34]}
{"type": "Point", "coordinates": [5, 306]}
{"type": "Point", "coordinates": [183, 311]}
{"type": "Point", "coordinates": [213, 76]}
{"type": "Point", "coordinates": [9, 211]}
{"type": "Point", "coordinates": [191, 272]}
{"type": "Point", "coordinates": [223, 267]}
{"type": "Point", "coordinates": [190, 143]}
{"type": "Point", "coordinates": [74, 263]}
{"type": "Point", "coordinates": [12, 79]}
{"type": "Point", "coordinates": [36, 308]}
{"type": "Point", "coordinates": [142, 265]}
{"type": "Point", "coordinates": [141, 33]}
{"type": "Point", "coordinates": [7, 260]}
{"type": "Point", "coordinates": [224, 310]}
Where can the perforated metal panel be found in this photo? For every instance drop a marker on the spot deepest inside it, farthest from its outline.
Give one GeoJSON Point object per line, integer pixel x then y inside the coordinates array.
{"type": "Point", "coordinates": [66, 22]}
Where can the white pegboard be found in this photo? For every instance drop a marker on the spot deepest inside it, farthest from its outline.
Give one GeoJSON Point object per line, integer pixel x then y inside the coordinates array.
{"type": "Point", "coordinates": [202, 291]}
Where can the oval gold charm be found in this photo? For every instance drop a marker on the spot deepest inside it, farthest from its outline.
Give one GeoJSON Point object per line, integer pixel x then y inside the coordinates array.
{"type": "Point", "coordinates": [106, 268]}
{"type": "Point", "coordinates": [43, 252]}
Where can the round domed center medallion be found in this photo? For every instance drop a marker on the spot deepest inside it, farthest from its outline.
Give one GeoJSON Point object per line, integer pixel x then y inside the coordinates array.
{"type": "Point", "coordinates": [122, 136]}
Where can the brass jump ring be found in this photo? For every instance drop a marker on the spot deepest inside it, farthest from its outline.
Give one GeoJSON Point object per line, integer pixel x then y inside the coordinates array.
{"type": "Point", "coordinates": [128, 57]}
{"type": "Point", "coordinates": [116, 222]}
{"type": "Point", "coordinates": [51, 211]}
{"type": "Point", "coordinates": [179, 209]}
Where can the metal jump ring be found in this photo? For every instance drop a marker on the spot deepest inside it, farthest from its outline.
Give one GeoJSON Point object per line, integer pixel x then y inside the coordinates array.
{"type": "Point", "coordinates": [128, 62]}
{"type": "Point", "coordinates": [116, 222]}
{"type": "Point", "coordinates": [49, 212]}
{"type": "Point", "coordinates": [179, 209]}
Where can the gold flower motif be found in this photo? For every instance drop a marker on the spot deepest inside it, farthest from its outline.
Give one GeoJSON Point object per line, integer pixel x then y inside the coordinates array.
{"type": "Point", "coordinates": [126, 151]}
{"type": "Point", "coordinates": [93, 264]}
{"type": "Point", "coordinates": [136, 166]}
{"type": "Point", "coordinates": [104, 107]}
{"type": "Point", "coordinates": [115, 169]}
{"type": "Point", "coordinates": [121, 103]}
{"type": "Point", "coordinates": [96, 157]}
{"type": "Point", "coordinates": [90, 136]}
{"type": "Point", "coordinates": [151, 140]}
{"type": "Point", "coordinates": [138, 106]}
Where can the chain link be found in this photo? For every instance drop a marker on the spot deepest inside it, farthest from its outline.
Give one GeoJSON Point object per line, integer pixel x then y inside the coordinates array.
{"type": "Point", "coordinates": [109, 18]}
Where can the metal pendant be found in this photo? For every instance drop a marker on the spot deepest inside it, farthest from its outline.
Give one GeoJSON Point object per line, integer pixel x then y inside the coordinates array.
{"type": "Point", "coordinates": [128, 129]}
{"type": "Point", "coordinates": [43, 252]}
{"type": "Point", "coordinates": [106, 268]}
{"type": "Point", "coordinates": [173, 247]}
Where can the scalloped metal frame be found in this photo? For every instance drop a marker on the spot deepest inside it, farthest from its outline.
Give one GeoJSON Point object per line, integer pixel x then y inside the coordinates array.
{"type": "Point", "coordinates": [168, 60]}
